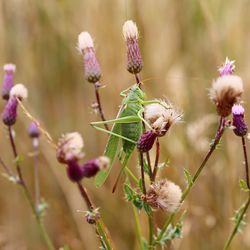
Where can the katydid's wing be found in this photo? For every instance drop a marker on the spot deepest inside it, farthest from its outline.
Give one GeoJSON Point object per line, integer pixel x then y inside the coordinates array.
{"type": "Point", "coordinates": [110, 151]}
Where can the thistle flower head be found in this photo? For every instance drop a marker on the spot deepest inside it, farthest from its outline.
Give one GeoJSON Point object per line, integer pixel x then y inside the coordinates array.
{"type": "Point", "coordinates": [227, 68]}
{"type": "Point", "coordinates": [9, 114]}
{"type": "Point", "coordinates": [69, 147]}
{"type": "Point", "coordinates": [8, 80]}
{"type": "Point", "coordinates": [130, 30]}
{"type": "Point", "coordinates": [91, 66]}
{"type": "Point", "coordinates": [240, 127]}
{"type": "Point", "coordinates": [74, 171]}
{"type": "Point", "coordinates": [134, 59]}
{"type": "Point", "coordinates": [164, 194]}
{"type": "Point", "coordinates": [33, 130]}
{"type": "Point", "coordinates": [85, 41]}
{"type": "Point", "coordinates": [161, 116]}
{"type": "Point", "coordinates": [146, 141]}
{"type": "Point", "coordinates": [19, 91]}
{"type": "Point", "coordinates": [225, 92]}
{"type": "Point", "coordinates": [92, 167]}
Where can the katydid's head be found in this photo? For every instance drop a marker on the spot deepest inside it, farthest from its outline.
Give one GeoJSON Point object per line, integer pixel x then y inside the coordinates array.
{"type": "Point", "coordinates": [136, 93]}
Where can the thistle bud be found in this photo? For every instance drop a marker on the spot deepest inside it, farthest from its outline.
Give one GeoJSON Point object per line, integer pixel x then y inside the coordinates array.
{"type": "Point", "coordinates": [33, 130]}
{"type": "Point", "coordinates": [74, 171]}
{"type": "Point", "coordinates": [146, 141]}
{"type": "Point", "coordinates": [93, 216]}
{"type": "Point", "coordinates": [227, 68]}
{"type": "Point", "coordinates": [134, 59]}
{"type": "Point", "coordinates": [92, 167]}
{"type": "Point", "coordinates": [164, 194]}
{"type": "Point", "coordinates": [69, 147]}
{"type": "Point", "coordinates": [91, 66]}
{"type": "Point", "coordinates": [9, 114]}
{"type": "Point", "coordinates": [240, 127]}
{"type": "Point", "coordinates": [8, 80]}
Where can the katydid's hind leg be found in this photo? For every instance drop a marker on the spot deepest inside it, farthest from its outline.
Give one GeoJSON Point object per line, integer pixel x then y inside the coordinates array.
{"type": "Point", "coordinates": [126, 119]}
{"type": "Point", "coordinates": [140, 112]}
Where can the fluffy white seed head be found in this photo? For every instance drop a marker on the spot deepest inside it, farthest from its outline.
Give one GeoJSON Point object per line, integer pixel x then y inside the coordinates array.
{"type": "Point", "coordinates": [161, 116]}
{"type": "Point", "coordinates": [225, 92]}
{"type": "Point", "coordinates": [164, 194]}
{"type": "Point", "coordinates": [85, 41]}
{"type": "Point", "coordinates": [70, 147]}
{"type": "Point", "coordinates": [130, 30]}
{"type": "Point", "coordinates": [19, 91]}
{"type": "Point", "coordinates": [9, 67]}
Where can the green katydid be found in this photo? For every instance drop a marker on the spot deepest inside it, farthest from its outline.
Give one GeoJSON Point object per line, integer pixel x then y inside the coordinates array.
{"type": "Point", "coordinates": [127, 127]}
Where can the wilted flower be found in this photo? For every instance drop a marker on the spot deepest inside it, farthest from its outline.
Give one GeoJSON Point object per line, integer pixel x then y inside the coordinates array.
{"type": "Point", "coordinates": [164, 194]}
{"type": "Point", "coordinates": [93, 216]}
{"type": "Point", "coordinates": [91, 65]}
{"type": "Point", "coordinates": [69, 147]}
{"type": "Point", "coordinates": [161, 116]}
{"type": "Point", "coordinates": [226, 90]}
{"type": "Point", "coordinates": [134, 59]}
{"type": "Point", "coordinates": [227, 68]}
{"type": "Point", "coordinates": [240, 127]}
{"type": "Point", "coordinates": [19, 91]}
{"type": "Point", "coordinates": [92, 167]}
{"type": "Point", "coordinates": [8, 80]}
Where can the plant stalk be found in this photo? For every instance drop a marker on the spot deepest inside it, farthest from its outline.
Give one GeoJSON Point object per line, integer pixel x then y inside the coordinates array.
{"type": "Point", "coordinates": [246, 161]}
{"type": "Point", "coordinates": [156, 159]}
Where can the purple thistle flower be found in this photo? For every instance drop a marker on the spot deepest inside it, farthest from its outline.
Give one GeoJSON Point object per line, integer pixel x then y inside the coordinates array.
{"type": "Point", "coordinates": [227, 68]}
{"type": "Point", "coordinates": [134, 59]}
{"type": "Point", "coordinates": [146, 141]}
{"type": "Point", "coordinates": [10, 112]}
{"type": "Point", "coordinates": [8, 80]}
{"type": "Point", "coordinates": [91, 66]}
{"type": "Point", "coordinates": [74, 171]}
{"type": "Point", "coordinates": [240, 127]}
{"type": "Point", "coordinates": [33, 130]}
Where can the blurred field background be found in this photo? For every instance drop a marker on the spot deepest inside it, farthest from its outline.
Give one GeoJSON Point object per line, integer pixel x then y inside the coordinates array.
{"type": "Point", "coordinates": [182, 43]}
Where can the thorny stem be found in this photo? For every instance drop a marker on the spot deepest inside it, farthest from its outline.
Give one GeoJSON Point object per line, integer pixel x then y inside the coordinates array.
{"type": "Point", "coordinates": [237, 224]}
{"type": "Point", "coordinates": [156, 159]}
{"type": "Point", "coordinates": [246, 161]}
{"type": "Point", "coordinates": [219, 133]}
{"type": "Point", "coordinates": [142, 173]}
{"type": "Point", "coordinates": [99, 106]}
{"type": "Point", "coordinates": [22, 183]}
{"type": "Point", "coordinates": [100, 227]}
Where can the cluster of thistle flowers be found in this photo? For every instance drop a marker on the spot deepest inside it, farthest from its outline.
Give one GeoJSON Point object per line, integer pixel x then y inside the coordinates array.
{"type": "Point", "coordinates": [159, 117]}
{"type": "Point", "coordinates": [69, 152]}
{"type": "Point", "coordinates": [226, 93]}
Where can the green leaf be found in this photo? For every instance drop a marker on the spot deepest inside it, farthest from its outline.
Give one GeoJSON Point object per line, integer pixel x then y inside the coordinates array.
{"type": "Point", "coordinates": [110, 152]}
{"type": "Point", "coordinates": [243, 185]}
{"type": "Point", "coordinates": [146, 167]}
{"type": "Point", "coordinates": [129, 192]}
{"type": "Point", "coordinates": [147, 208]}
{"type": "Point", "coordinates": [188, 177]}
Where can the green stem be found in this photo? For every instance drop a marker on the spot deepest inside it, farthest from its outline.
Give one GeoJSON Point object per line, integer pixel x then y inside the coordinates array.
{"type": "Point", "coordinates": [151, 231]}
{"type": "Point", "coordinates": [129, 172]}
{"type": "Point", "coordinates": [137, 227]}
{"type": "Point", "coordinates": [103, 235]}
{"type": "Point", "coordinates": [219, 133]}
{"type": "Point", "coordinates": [237, 224]}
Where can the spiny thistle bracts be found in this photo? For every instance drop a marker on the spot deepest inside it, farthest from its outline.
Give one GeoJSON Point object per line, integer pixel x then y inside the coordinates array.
{"type": "Point", "coordinates": [134, 59]}
{"type": "Point", "coordinates": [227, 68]}
{"type": "Point", "coordinates": [146, 141]}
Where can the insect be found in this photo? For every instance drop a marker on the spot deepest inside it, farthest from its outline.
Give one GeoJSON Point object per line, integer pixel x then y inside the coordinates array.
{"type": "Point", "coordinates": [127, 128]}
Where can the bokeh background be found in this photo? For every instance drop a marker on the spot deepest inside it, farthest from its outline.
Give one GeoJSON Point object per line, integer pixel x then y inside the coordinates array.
{"type": "Point", "coordinates": [182, 44]}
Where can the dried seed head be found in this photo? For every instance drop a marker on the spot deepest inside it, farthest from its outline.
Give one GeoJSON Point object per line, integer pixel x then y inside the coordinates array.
{"type": "Point", "coordinates": [33, 130]}
{"type": "Point", "coordinates": [225, 92]}
{"type": "Point", "coordinates": [164, 194]}
{"type": "Point", "coordinates": [69, 147]}
{"type": "Point", "coordinates": [91, 66]}
{"type": "Point", "coordinates": [9, 114]}
{"type": "Point", "coordinates": [240, 127]}
{"type": "Point", "coordinates": [146, 141]}
{"type": "Point", "coordinates": [8, 80]}
{"type": "Point", "coordinates": [227, 68]}
{"type": "Point", "coordinates": [92, 167]}
{"type": "Point", "coordinates": [19, 91]}
{"type": "Point", "coordinates": [93, 216]}
{"type": "Point", "coordinates": [161, 116]}
{"type": "Point", "coordinates": [134, 59]}
{"type": "Point", "coordinates": [74, 171]}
